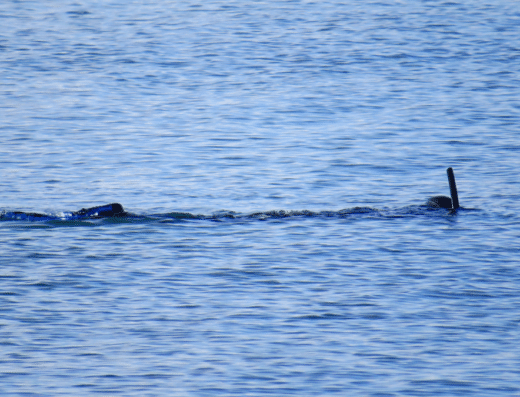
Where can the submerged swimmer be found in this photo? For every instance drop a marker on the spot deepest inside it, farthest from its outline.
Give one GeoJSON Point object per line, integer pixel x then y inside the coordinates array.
{"type": "Point", "coordinates": [443, 201]}
{"type": "Point", "coordinates": [116, 209]}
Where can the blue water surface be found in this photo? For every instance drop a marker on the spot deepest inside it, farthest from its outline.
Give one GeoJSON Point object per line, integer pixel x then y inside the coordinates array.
{"type": "Point", "coordinates": [276, 156]}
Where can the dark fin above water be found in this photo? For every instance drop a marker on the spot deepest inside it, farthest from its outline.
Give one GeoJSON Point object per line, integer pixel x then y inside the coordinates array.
{"type": "Point", "coordinates": [443, 201]}
{"type": "Point", "coordinates": [453, 189]}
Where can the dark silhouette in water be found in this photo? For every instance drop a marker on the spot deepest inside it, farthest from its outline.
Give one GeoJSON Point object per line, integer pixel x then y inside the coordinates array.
{"type": "Point", "coordinates": [102, 211]}
{"type": "Point", "coordinates": [116, 210]}
{"type": "Point", "coordinates": [443, 201]}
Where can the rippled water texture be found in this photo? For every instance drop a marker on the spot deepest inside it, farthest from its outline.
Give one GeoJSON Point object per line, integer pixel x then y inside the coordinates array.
{"type": "Point", "coordinates": [275, 157]}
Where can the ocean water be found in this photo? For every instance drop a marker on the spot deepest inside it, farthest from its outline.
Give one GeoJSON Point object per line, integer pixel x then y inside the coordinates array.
{"type": "Point", "coordinates": [275, 157]}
